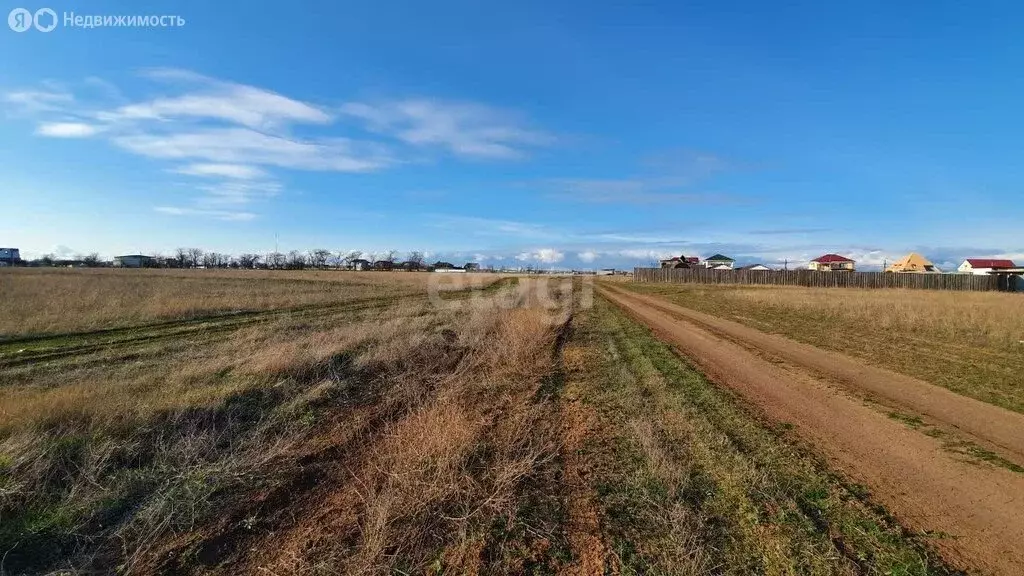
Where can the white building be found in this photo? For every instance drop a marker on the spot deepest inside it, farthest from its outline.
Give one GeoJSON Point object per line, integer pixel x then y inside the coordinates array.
{"type": "Point", "coordinates": [719, 262]}
{"type": "Point", "coordinates": [984, 266]}
{"type": "Point", "coordinates": [134, 261]}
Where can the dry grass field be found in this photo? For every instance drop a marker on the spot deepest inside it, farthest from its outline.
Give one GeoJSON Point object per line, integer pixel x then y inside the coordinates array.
{"type": "Point", "coordinates": [47, 300]}
{"type": "Point", "coordinates": [969, 342]}
{"type": "Point", "coordinates": [505, 428]}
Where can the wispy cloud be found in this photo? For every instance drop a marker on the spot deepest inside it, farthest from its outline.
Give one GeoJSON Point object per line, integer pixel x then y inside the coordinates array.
{"type": "Point", "coordinates": [34, 101]}
{"type": "Point", "coordinates": [464, 129]}
{"type": "Point", "coordinates": [239, 171]}
{"type": "Point", "coordinates": [215, 214]}
{"type": "Point", "coordinates": [211, 129]}
{"type": "Point", "coordinates": [228, 102]}
{"type": "Point", "coordinates": [67, 129]}
{"type": "Point", "coordinates": [236, 145]}
{"type": "Point", "coordinates": [788, 231]}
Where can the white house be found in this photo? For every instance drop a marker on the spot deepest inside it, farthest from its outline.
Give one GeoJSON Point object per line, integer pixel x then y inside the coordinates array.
{"type": "Point", "coordinates": [719, 262]}
{"type": "Point", "coordinates": [984, 266]}
{"type": "Point", "coordinates": [832, 263]}
{"type": "Point", "coordinates": [134, 261]}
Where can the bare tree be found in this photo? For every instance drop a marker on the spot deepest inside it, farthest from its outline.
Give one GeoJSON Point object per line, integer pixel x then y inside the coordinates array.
{"type": "Point", "coordinates": [248, 261]}
{"type": "Point", "coordinates": [296, 260]}
{"type": "Point", "coordinates": [318, 258]}
{"type": "Point", "coordinates": [389, 256]}
{"type": "Point", "coordinates": [181, 257]}
{"type": "Point", "coordinates": [351, 257]}
{"type": "Point", "coordinates": [416, 258]}
{"type": "Point", "coordinates": [275, 260]}
{"type": "Point", "coordinates": [92, 260]}
{"type": "Point", "coordinates": [195, 256]}
{"type": "Point", "coordinates": [210, 260]}
{"type": "Point", "coordinates": [372, 257]}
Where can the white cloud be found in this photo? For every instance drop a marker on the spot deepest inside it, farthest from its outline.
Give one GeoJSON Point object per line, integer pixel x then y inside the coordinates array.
{"type": "Point", "coordinates": [215, 214]}
{"type": "Point", "coordinates": [67, 130]}
{"type": "Point", "coordinates": [237, 171]}
{"type": "Point", "coordinates": [464, 129]}
{"type": "Point", "coordinates": [543, 255]}
{"type": "Point", "coordinates": [587, 256]}
{"type": "Point", "coordinates": [246, 146]}
{"type": "Point", "coordinates": [32, 101]}
{"type": "Point", "coordinates": [227, 102]}
{"type": "Point", "coordinates": [232, 135]}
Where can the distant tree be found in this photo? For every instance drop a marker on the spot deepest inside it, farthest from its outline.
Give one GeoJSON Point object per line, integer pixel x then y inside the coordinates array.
{"type": "Point", "coordinates": [92, 260]}
{"type": "Point", "coordinates": [210, 260]}
{"type": "Point", "coordinates": [470, 266]}
{"type": "Point", "coordinates": [181, 257]}
{"type": "Point", "coordinates": [318, 258]}
{"type": "Point", "coordinates": [248, 261]}
{"type": "Point", "coordinates": [46, 260]}
{"type": "Point", "coordinates": [371, 257]}
{"type": "Point", "coordinates": [276, 260]}
{"type": "Point", "coordinates": [416, 258]}
{"type": "Point", "coordinates": [195, 257]}
{"type": "Point", "coordinates": [389, 256]}
{"type": "Point", "coordinates": [350, 257]}
{"type": "Point", "coordinates": [296, 260]}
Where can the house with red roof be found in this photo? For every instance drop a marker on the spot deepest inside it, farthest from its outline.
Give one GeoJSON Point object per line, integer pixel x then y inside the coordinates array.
{"type": "Point", "coordinates": [984, 266]}
{"type": "Point", "coordinates": [832, 263]}
{"type": "Point", "coordinates": [680, 262]}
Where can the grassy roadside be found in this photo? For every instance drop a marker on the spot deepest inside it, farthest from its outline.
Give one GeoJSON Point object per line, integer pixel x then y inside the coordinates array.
{"type": "Point", "coordinates": [970, 343]}
{"type": "Point", "coordinates": [687, 481]}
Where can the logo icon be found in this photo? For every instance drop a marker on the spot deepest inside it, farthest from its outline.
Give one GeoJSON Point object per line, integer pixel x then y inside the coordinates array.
{"type": "Point", "coordinates": [20, 19]}
{"type": "Point", "coordinates": [44, 24]}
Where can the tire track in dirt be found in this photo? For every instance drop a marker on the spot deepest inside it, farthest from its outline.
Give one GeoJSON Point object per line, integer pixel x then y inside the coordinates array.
{"type": "Point", "coordinates": [991, 424]}
{"type": "Point", "coordinates": [978, 508]}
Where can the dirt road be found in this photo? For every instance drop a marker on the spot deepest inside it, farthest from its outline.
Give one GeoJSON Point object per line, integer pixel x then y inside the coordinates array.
{"type": "Point", "coordinates": [977, 507]}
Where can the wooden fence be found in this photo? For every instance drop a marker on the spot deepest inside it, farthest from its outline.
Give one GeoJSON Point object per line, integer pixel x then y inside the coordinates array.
{"type": "Point", "coordinates": [811, 278]}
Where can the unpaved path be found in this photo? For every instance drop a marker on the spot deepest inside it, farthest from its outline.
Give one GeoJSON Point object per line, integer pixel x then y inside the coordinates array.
{"type": "Point", "coordinates": [980, 508]}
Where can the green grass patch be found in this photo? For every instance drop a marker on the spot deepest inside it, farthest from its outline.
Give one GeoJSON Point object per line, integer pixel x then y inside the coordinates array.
{"type": "Point", "coordinates": [691, 481]}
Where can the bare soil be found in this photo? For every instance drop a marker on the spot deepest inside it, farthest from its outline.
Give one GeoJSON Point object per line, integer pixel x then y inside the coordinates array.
{"type": "Point", "coordinates": [976, 510]}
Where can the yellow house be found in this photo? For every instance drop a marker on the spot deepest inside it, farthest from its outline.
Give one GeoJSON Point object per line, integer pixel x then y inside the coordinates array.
{"type": "Point", "coordinates": [913, 262]}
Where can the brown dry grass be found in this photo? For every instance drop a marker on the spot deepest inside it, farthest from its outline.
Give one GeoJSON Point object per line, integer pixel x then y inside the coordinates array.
{"type": "Point", "coordinates": [969, 342]}
{"type": "Point", "coordinates": [430, 412]}
{"type": "Point", "coordinates": [62, 300]}
{"type": "Point", "coordinates": [476, 433]}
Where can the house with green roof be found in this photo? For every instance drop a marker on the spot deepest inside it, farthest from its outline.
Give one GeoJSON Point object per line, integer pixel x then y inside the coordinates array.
{"type": "Point", "coordinates": [719, 262]}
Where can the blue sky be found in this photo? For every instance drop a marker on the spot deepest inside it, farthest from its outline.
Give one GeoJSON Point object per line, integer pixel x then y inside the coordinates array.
{"type": "Point", "coordinates": [579, 134]}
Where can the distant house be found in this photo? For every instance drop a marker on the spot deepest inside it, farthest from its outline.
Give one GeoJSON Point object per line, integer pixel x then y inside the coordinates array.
{"type": "Point", "coordinates": [441, 265]}
{"type": "Point", "coordinates": [471, 267]}
{"type": "Point", "coordinates": [832, 263]}
{"type": "Point", "coordinates": [9, 256]}
{"type": "Point", "coordinates": [719, 262]}
{"type": "Point", "coordinates": [674, 262]}
{"type": "Point", "coordinates": [913, 263]}
{"type": "Point", "coordinates": [680, 262]}
{"type": "Point", "coordinates": [759, 267]}
{"type": "Point", "coordinates": [359, 264]}
{"type": "Point", "coordinates": [384, 265]}
{"type": "Point", "coordinates": [134, 261]}
{"type": "Point", "coordinates": [410, 266]}
{"type": "Point", "coordinates": [983, 266]}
